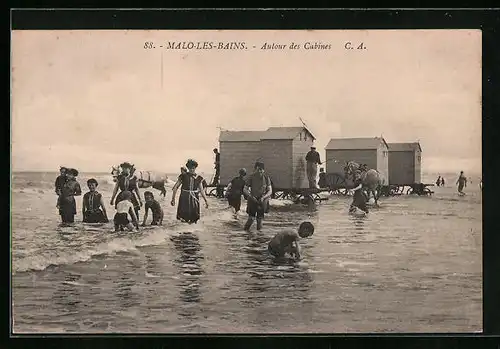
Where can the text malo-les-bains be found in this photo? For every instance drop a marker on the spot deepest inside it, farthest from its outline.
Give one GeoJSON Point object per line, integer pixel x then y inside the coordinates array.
{"type": "Point", "coordinates": [205, 45]}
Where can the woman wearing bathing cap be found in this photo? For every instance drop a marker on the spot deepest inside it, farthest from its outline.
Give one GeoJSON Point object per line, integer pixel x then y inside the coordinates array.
{"type": "Point", "coordinates": [191, 185]}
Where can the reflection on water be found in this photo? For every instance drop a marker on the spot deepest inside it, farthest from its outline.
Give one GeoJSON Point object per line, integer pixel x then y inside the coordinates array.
{"type": "Point", "coordinates": [359, 223]}
{"type": "Point", "coordinates": [124, 293]}
{"type": "Point", "coordinates": [67, 294]}
{"type": "Point", "coordinates": [190, 271]}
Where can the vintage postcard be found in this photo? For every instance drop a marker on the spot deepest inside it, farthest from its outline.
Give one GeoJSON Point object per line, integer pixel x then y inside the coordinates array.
{"type": "Point", "coordinates": [201, 181]}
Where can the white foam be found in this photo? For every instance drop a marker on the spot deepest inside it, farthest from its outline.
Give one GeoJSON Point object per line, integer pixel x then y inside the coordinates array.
{"type": "Point", "coordinates": [111, 247]}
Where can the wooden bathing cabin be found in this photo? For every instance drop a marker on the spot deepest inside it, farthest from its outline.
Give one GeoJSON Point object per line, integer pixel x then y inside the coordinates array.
{"type": "Point", "coordinates": [281, 149]}
{"type": "Point", "coordinates": [374, 152]}
{"type": "Point", "coordinates": [405, 163]}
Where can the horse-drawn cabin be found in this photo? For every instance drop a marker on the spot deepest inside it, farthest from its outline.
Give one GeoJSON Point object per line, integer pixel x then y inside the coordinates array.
{"type": "Point", "coordinates": [405, 163]}
{"type": "Point", "coordinates": [374, 152]}
{"type": "Point", "coordinates": [282, 149]}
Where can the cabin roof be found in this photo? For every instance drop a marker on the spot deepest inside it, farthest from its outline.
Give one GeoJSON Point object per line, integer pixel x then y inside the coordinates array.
{"type": "Point", "coordinates": [354, 143]}
{"type": "Point", "coordinates": [256, 136]}
{"type": "Point", "coordinates": [284, 132]}
{"type": "Point", "coordinates": [240, 136]}
{"type": "Point", "coordinates": [405, 146]}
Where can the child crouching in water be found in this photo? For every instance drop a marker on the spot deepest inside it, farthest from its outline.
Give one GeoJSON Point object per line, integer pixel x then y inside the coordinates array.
{"type": "Point", "coordinates": [288, 241]}
{"type": "Point", "coordinates": [155, 207]}
{"type": "Point", "coordinates": [124, 209]}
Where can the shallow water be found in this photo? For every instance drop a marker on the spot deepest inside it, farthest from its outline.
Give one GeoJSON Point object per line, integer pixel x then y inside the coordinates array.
{"type": "Point", "coordinates": [412, 265]}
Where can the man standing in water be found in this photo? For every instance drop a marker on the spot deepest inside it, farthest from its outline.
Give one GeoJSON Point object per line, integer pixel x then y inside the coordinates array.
{"type": "Point", "coordinates": [217, 167]}
{"type": "Point", "coordinates": [258, 190]}
{"type": "Point", "coordinates": [313, 160]}
{"type": "Point", "coordinates": [462, 182]}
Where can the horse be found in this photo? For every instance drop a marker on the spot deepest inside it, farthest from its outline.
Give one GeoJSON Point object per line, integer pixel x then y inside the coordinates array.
{"type": "Point", "coordinates": [145, 179]}
{"type": "Point", "coordinates": [372, 180]}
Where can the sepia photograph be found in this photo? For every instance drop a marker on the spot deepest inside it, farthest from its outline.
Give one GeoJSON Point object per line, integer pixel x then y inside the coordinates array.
{"type": "Point", "coordinates": [246, 181]}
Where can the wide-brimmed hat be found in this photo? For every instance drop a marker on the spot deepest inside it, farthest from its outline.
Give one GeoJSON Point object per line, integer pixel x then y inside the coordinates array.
{"type": "Point", "coordinates": [259, 164]}
{"type": "Point", "coordinates": [73, 171]}
{"type": "Point", "coordinates": [92, 180]}
{"type": "Point", "coordinates": [242, 171]}
{"type": "Point", "coordinates": [191, 164]}
{"type": "Point", "coordinates": [63, 168]}
{"type": "Point", "coordinates": [126, 165]}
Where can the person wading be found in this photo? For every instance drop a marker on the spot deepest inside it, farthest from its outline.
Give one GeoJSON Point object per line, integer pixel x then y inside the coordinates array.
{"type": "Point", "coordinates": [126, 181]}
{"type": "Point", "coordinates": [462, 182]}
{"type": "Point", "coordinates": [67, 203]}
{"type": "Point", "coordinates": [258, 190]}
{"type": "Point", "coordinates": [235, 190]}
{"type": "Point", "coordinates": [191, 185]}
{"type": "Point", "coordinates": [313, 160]}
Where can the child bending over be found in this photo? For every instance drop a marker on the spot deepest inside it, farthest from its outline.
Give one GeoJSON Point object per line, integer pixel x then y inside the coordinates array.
{"type": "Point", "coordinates": [124, 209]}
{"type": "Point", "coordinates": [288, 241]}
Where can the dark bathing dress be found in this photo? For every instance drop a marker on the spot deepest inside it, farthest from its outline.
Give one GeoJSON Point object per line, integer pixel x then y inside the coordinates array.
{"type": "Point", "coordinates": [93, 214]}
{"type": "Point", "coordinates": [234, 196]}
{"type": "Point", "coordinates": [67, 203]}
{"type": "Point", "coordinates": [359, 198]}
{"type": "Point", "coordinates": [128, 184]}
{"type": "Point", "coordinates": [188, 209]}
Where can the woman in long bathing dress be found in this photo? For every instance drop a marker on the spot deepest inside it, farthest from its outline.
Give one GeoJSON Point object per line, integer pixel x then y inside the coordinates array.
{"type": "Point", "coordinates": [67, 203]}
{"type": "Point", "coordinates": [127, 181]}
{"type": "Point", "coordinates": [191, 186]}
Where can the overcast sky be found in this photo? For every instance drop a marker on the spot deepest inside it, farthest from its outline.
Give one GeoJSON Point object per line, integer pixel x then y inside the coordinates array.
{"type": "Point", "coordinates": [90, 99]}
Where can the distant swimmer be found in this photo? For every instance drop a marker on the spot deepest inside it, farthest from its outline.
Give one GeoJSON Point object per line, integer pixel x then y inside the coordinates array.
{"type": "Point", "coordinates": [287, 242]}
{"type": "Point", "coordinates": [438, 181]}
{"type": "Point", "coordinates": [462, 183]}
{"type": "Point", "coordinates": [124, 211]}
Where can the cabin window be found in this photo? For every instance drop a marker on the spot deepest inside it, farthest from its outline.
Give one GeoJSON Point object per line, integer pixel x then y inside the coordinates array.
{"type": "Point", "coordinates": [418, 158]}
{"type": "Point", "coordinates": [300, 136]}
{"type": "Point", "coordinates": [385, 153]}
{"type": "Point", "coordinates": [305, 136]}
